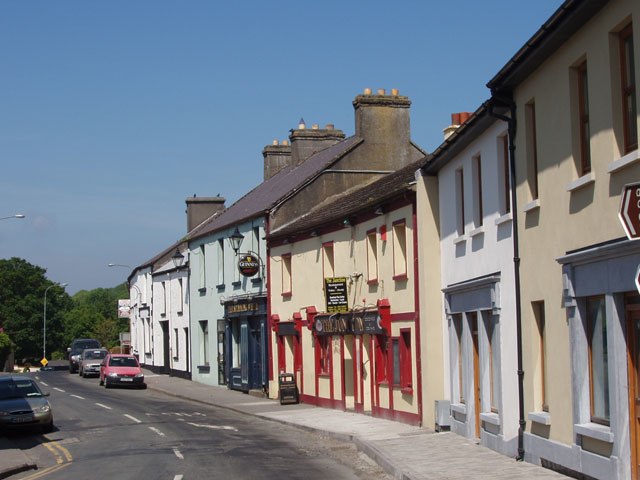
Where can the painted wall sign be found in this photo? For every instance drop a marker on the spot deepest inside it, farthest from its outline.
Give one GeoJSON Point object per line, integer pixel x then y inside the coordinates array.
{"type": "Point", "coordinates": [248, 265]}
{"type": "Point", "coordinates": [354, 323]}
{"type": "Point", "coordinates": [335, 290]}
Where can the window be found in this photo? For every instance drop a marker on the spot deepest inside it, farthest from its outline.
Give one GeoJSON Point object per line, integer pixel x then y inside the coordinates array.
{"type": "Point", "coordinates": [180, 296]}
{"type": "Point", "coordinates": [204, 346]}
{"type": "Point", "coordinates": [399, 250]}
{"type": "Point", "coordinates": [582, 88]}
{"type": "Point", "coordinates": [235, 344]}
{"type": "Point", "coordinates": [598, 359]}
{"type": "Point", "coordinates": [538, 313]}
{"type": "Point", "coordinates": [531, 149]}
{"type": "Point", "coordinates": [147, 346]}
{"type": "Point", "coordinates": [401, 349]}
{"type": "Point", "coordinates": [372, 257]}
{"type": "Point", "coordinates": [382, 364]}
{"type": "Point", "coordinates": [202, 278]}
{"type": "Point", "coordinates": [163, 298]}
{"type": "Point", "coordinates": [505, 197]}
{"type": "Point", "coordinates": [324, 355]}
{"type": "Point", "coordinates": [460, 202]}
{"type": "Point", "coordinates": [176, 344]}
{"type": "Point", "coordinates": [220, 262]}
{"type": "Point", "coordinates": [286, 274]}
{"type": "Point", "coordinates": [328, 270]}
{"type": "Point", "coordinates": [477, 191]}
{"type": "Point", "coordinates": [627, 77]}
{"type": "Point", "coordinates": [493, 360]}
{"type": "Point", "coordinates": [256, 239]}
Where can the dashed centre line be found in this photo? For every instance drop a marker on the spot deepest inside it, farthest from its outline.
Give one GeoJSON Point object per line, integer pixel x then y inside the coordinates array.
{"type": "Point", "coordinates": [178, 454]}
{"type": "Point", "coordinates": [155, 430]}
{"type": "Point", "coordinates": [103, 406]}
{"type": "Point", "coordinates": [59, 389]}
{"type": "Point", "coordinates": [130, 417]}
{"type": "Point", "coordinates": [77, 396]}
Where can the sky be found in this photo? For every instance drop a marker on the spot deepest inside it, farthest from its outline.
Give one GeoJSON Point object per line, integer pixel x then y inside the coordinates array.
{"type": "Point", "coordinates": [112, 113]}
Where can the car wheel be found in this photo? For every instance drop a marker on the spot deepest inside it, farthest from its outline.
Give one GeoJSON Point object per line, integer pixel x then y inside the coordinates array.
{"type": "Point", "coordinates": [106, 383]}
{"type": "Point", "coordinates": [143, 386]}
{"type": "Point", "coordinates": [48, 428]}
{"type": "Point", "coordinates": [101, 382]}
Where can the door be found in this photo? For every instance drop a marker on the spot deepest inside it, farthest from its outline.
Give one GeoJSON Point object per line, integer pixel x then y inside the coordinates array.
{"type": "Point", "coordinates": [166, 365]}
{"type": "Point", "coordinates": [349, 372]}
{"type": "Point", "coordinates": [473, 324]}
{"type": "Point", "coordinates": [633, 358]}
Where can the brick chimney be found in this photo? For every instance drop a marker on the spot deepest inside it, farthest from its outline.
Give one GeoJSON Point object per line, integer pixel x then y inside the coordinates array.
{"type": "Point", "coordinates": [307, 141]}
{"type": "Point", "coordinates": [201, 208]}
{"type": "Point", "coordinates": [457, 119]}
{"type": "Point", "coordinates": [383, 120]}
{"type": "Point", "coordinates": [276, 157]}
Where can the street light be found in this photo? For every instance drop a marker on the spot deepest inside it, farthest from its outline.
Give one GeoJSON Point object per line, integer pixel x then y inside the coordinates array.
{"type": "Point", "coordinates": [44, 325]}
{"type": "Point", "coordinates": [17, 215]}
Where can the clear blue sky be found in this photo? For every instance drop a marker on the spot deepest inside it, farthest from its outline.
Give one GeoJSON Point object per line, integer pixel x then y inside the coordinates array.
{"type": "Point", "coordinates": [112, 113]}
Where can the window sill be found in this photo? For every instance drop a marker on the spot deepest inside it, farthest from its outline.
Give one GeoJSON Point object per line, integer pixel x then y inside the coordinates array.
{"type": "Point", "coordinates": [383, 383]}
{"type": "Point", "coordinates": [490, 417]}
{"type": "Point", "coordinates": [507, 217]}
{"type": "Point", "coordinates": [373, 281]}
{"type": "Point", "coordinates": [287, 294]}
{"type": "Point", "coordinates": [236, 284]}
{"type": "Point", "coordinates": [407, 390]}
{"type": "Point", "coordinates": [460, 239]}
{"type": "Point", "coordinates": [628, 159]}
{"type": "Point", "coordinates": [324, 375]}
{"type": "Point", "coordinates": [202, 289]}
{"type": "Point", "coordinates": [543, 418]}
{"type": "Point", "coordinates": [459, 408]}
{"type": "Point", "coordinates": [256, 281]}
{"type": "Point", "coordinates": [163, 315]}
{"type": "Point", "coordinates": [583, 181]}
{"type": "Point", "coordinates": [595, 430]}
{"type": "Point", "coordinates": [179, 313]}
{"type": "Point", "coordinates": [220, 286]}
{"type": "Point", "coordinates": [204, 368]}
{"type": "Point", "coordinates": [476, 232]}
{"type": "Point", "coordinates": [534, 205]}
{"type": "Point", "coordinates": [401, 278]}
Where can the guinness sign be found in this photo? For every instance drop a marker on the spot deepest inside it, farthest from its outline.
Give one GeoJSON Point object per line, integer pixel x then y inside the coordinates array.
{"type": "Point", "coordinates": [248, 265]}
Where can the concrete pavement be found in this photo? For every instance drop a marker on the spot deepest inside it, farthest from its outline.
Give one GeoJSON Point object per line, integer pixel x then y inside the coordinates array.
{"type": "Point", "coordinates": [404, 451]}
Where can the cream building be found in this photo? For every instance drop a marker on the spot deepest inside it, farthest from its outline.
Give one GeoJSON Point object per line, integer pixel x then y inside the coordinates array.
{"type": "Point", "coordinates": [574, 86]}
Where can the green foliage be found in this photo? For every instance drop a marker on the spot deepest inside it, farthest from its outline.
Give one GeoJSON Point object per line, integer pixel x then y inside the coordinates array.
{"type": "Point", "coordinates": [88, 314]}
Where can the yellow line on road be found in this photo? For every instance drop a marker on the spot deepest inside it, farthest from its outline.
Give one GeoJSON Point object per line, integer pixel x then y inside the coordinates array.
{"type": "Point", "coordinates": [46, 471]}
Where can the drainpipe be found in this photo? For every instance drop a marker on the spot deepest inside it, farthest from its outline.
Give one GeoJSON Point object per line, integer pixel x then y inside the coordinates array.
{"type": "Point", "coordinates": [511, 123]}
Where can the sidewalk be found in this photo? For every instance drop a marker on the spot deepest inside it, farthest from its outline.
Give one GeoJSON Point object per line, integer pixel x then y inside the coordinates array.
{"type": "Point", "coordinates": [404, 451]}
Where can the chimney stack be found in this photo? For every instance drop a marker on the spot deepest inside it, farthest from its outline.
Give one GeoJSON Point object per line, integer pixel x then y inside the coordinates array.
{"type": "Point", "coordinates": [307, 141]}
{"type": "Point", "coordinates": [457, 119]}
{"type": "Point", "coordinates": [201, 208]}
{"type": "Point", "coordinates": [276, 157]}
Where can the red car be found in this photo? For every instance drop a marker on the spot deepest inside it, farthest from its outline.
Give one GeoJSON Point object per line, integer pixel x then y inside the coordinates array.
{"type": "Point", "coordinates": [121, 369]}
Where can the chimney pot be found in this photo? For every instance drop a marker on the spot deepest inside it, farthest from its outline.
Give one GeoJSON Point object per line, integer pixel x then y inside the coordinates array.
{"type": "Point", "coordinates": [330, 126]}
{"type": "Point", "coordinates": [455, 119]}
{"type": "Point", "coordinates": [275, 142]}
{"type": "Point", "coordinates": [315, 126]}
{"type": "Point", "coordinates": [285, 143]}
{"type": "Point", "coordinates": [367, 91]}
{"type": "Point", "coordinates": [381, 91]}
{"type": "Point", "coordinates": [301, 124]}
{"type": "Point", "coordinates": [394, 92]}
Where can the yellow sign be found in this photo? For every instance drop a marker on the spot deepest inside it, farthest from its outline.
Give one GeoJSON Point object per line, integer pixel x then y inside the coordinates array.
{"type": "Point", "coordinates": [44, 362]}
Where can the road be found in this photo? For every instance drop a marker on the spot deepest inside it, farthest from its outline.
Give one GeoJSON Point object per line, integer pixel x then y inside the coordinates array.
{"type": "Point", "coordinates": [142, 434]}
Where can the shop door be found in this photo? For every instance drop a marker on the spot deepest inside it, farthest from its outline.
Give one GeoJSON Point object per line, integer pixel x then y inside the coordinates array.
{"type": "Point", "coordinates": [255, 354]}
{"type": "Point", "coordinates": [633, 356]}
{"type": "Point", "coordinates": [473, 324]}
{"type": "Point", "coordinates": [349, 372]}
{"type": "Point", "coordinates": [366, 373]}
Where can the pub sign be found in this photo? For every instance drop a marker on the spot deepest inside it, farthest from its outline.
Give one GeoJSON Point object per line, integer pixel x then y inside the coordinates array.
{"type": "Point", "coordinates": [335, 290]}
{"type": "Point", "coordinates": [354, 323]}
{"type": "Point", "coordinates": [248, 265]}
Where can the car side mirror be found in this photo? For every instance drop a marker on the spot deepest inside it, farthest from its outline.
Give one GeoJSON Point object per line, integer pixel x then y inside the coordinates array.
{"type": "Point", "coordinates": [68, 349]}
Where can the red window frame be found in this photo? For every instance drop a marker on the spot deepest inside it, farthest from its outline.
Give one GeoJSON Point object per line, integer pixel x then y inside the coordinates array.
{"type": "Point", "coordinates": [323, 355]}
{"type": "Point", "coordinates": [382, 360]}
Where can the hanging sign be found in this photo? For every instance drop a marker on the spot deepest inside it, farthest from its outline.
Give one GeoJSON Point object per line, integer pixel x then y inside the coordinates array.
{"type": "Point", "coordinates": [248, 265]}
{"type": "Point", "coordinates": [335, 290]}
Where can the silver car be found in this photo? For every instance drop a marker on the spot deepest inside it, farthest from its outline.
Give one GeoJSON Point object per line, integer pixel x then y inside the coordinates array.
{"type": "Point", "coordinates": [90, 360]}
{"type": "Point", "coordinates": [22, 404]}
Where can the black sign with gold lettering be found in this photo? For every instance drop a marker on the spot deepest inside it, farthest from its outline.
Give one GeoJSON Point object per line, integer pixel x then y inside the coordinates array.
{"type": "Point", "coordinates": [335, 290]}
{"type": "Point", "coordinates": [354, 323]}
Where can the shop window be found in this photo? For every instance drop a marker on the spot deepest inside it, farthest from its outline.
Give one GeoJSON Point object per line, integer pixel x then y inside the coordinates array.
{"type": "Point", "coordinates": [286, 275]}
{"type": "Point", "coordinates": [531, 149]}
{"type": "Point", "coordinates": [235, 344]}
{"type": "Point", "coordinates": [580, 114]}
{"type": "Point", "coordinates": [328, 269]}
{"type": "Point", "coordinates": [598, 359]}
{"type": "Point", "coordinates": [478, 212]}
{"type": "Point", "coordinates": [494, 361]}
{"type": "Point", "coordinates": [628, 90]}
{"type": "Point", "coordinates": [538, 312]}
{"type": "Point", "coordinates": [324, 355]}
{"type": "Point", "coordinates": [460, 220]}
{"type": "Point", "coordinates": [457, 359]}
{"type": "Point", "coordinates": [505, 180]}
{"type": "Point", "coordinates": [401, 348]}
{"type": "Point", "coordinates": [372, 257]}
{"type": "Point", "coordinates": [400, 250]}
{"type": "Point", "coordinates": [204, 346]}
{"type": "Point", "coordinates": [382, 361]}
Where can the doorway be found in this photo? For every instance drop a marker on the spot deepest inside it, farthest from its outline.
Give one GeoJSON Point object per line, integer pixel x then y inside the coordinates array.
{"type": "Point", "coordinates": [473, 325]}
{"type": "Point", "coordinates": [632, 306]}
{"type": "Point", "coordinates": [166, 365]}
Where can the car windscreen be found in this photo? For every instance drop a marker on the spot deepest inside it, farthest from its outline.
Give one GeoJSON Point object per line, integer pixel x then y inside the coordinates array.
{"type": "Point", "coordinates": [123, 362]}
{"type": "Point", "coordinates": [78, 347]}
{"type": "Point", "coordinates": [19, 389]}
{"type": "Point", "coordinates": [94, 354]}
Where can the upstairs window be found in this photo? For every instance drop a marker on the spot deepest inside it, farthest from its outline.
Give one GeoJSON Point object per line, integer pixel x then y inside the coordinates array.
{"type": "Point", "coordinates": [628, 79]}
{"type": "Point", "coordinates": [460, 220]}
{"type": "Point", "coordinates": [163, 298]}
{"type": "Point", "coordinates": [478, 212]}
{"type": "Point", "coordinates": [400, 250]}
{"type": "Point", "coordinates": [180, 296]}
{"type": "Point", "coordinates": [372, 256]}
{"type": "Point", "coordinates": [286, 274]}
{"type": "Point", "coordinates": [328, 269]}
{"type": "Point", "coordinates": [582, 85]}
{"type": "Point", "coordinates": [505, 179]}
{"type": "Point", "coordinates": [220, 261]}
{"type": "Point", "coordinates": [202, 277]}
{"type": "Point", "coordinates": [531, 149]}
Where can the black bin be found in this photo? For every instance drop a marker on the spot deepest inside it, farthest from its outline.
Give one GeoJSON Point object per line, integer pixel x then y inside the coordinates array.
{"type": "Point", "coordinates": [288, 388]}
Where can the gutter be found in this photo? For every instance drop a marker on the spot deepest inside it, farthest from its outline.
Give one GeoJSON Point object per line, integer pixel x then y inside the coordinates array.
{"type": "Point", "coordinates": [511, 123]}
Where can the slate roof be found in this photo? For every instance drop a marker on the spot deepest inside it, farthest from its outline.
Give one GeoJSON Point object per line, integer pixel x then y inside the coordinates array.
{"type": "Point", "coordinates": [268, 193]}
{"type": "Point", "coordinates": [337, 208]}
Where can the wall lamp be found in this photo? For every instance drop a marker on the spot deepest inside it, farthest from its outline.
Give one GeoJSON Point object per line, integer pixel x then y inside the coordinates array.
{"type": "Point", "coordinates": [177, 259]}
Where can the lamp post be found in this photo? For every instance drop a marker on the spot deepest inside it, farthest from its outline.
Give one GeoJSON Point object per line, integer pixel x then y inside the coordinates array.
{"type": "Point", "coordinates": [17, 215]}
{"type": "Point", "coordinates": [44, 324]}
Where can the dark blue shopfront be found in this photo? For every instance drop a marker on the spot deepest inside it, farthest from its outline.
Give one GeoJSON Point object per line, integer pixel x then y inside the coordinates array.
{"type": "Point", "coordinates": [246, 344]}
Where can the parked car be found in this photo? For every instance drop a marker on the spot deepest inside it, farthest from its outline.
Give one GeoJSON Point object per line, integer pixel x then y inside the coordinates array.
{"type": "Point", "coordinates": [90, 360]}
{"type": "Point", "coordinates": [76, 348]}
{"type": "Point", "coordinates": [22, 404]}
{"type": "Point", "coordinates": [121, 369]}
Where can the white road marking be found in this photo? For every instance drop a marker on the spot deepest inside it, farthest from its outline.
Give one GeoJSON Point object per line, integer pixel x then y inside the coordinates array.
{"type": "Point", "coordinates": [178, 454]}
{"type": "Point", "coordinates": [103, 406]}
{"type": "Point", "coordinates": [77, 396]}
{"type": "Point", "coordinates": [59, 389]}
{"type": "Point", "coordinates": [177, 477]}
{"type": "Point", "coordinates": [154, 429]}
{"type": "Point", "coordinates": [45, 384]}
{"type": "Point", "coordinates": [133, 418]}
{"type": "Point", "coordinates": [214, 427]}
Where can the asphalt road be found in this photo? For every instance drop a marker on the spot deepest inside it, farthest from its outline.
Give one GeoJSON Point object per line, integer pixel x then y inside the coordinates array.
{"type": "Point", "coordinates": [142, 434]}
